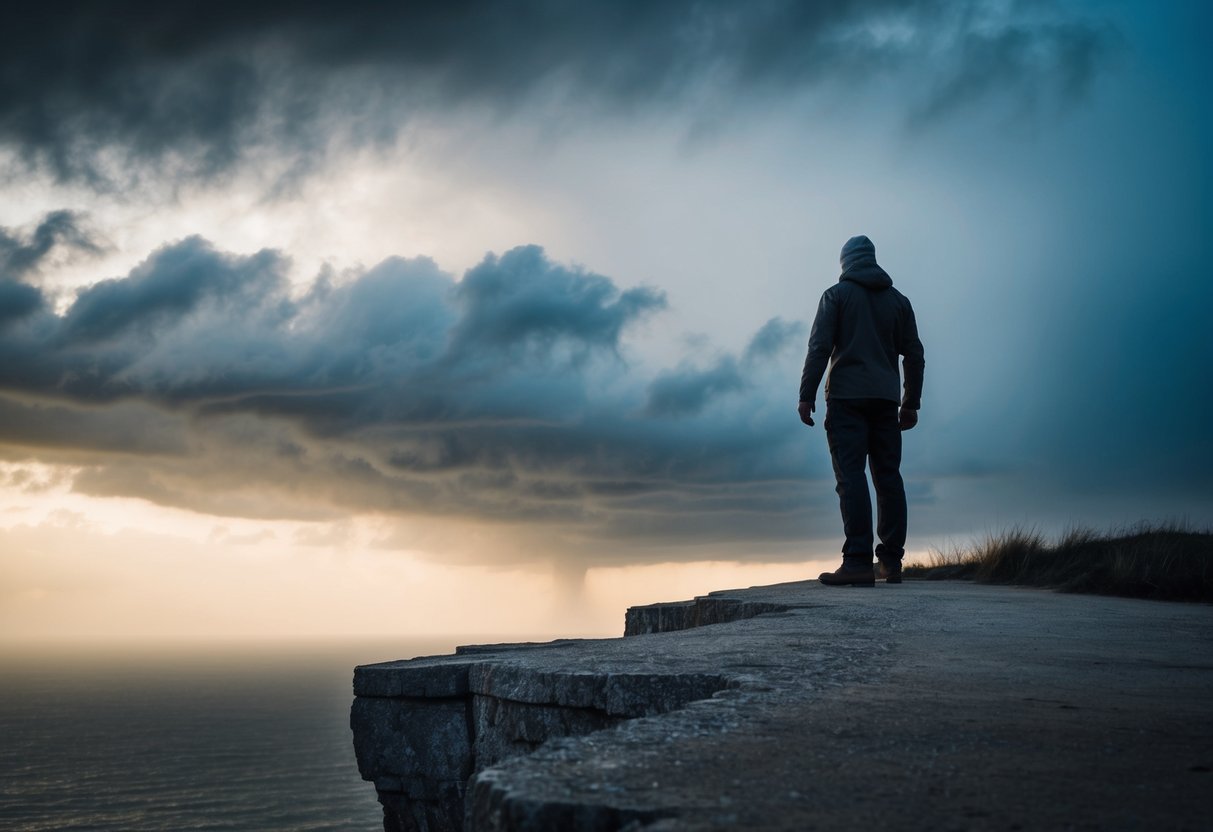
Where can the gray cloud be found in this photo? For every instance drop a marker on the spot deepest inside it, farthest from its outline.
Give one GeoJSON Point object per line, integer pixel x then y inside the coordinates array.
{"type": "Point", "coordinates": [1022, 60]}
{"type": "Point", "coordinates": [17, 300]}
{"type": "Point", "coordinates": [175, 283]}
{"type": "Point", "coordinates": [520, 300]}
{"type": "Point", "coordinates": [775, 336]}
{"type": "Point", "coordinates": [201, 380]}
{"type": "Point", "coordinates": [687, 390]}
{"type": "Point", "coordinates": [73, 433]}
{"type": "Point", "coordinates": [134, 88]}
{"type": "Point", "coordinates": [22, 252]}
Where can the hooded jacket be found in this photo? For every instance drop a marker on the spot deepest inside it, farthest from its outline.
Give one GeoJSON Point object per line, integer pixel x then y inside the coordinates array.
{"type": "Point", "coordinates": [862, 325]}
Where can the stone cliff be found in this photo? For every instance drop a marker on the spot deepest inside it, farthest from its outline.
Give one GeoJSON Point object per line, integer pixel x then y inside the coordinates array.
{"type": "Point", "coordinates": [795, 690]}
{"type": "Point", "coordinates": [424, 727]}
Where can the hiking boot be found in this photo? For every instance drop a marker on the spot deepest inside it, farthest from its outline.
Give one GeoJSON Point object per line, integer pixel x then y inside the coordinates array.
{"type": "Point", "coordinates": [855, 571]}
{"type": "Point", "coordinates": [889, 571]}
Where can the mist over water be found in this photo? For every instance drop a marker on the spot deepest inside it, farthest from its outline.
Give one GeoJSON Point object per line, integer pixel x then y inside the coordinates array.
{"type": "Point", "coordinates": [216, 738]}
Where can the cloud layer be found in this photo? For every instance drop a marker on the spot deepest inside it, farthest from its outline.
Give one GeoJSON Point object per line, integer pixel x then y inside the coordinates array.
{"type": "Point", "coordinates": [200, 379]}
{"type": "Point", "coordinates": [141, 89]}
{"type": "Point", "coordinates": [23, 253]}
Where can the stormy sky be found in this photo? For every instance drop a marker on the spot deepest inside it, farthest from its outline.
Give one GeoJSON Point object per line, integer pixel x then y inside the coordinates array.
{"type": "Point", "coordinates": [531, 281]}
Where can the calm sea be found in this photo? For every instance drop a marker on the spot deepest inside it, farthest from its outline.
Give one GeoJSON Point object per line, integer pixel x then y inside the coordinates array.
{"type": "Point", "coordinates": [246, 738]}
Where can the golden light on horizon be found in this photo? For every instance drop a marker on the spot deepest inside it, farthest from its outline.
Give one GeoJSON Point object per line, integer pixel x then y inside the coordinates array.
{"type": "Point", "coordinates": [81, 568]}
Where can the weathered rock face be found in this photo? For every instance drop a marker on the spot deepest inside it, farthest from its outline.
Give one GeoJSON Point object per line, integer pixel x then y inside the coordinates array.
{"type": "Point", "coordinates": [423, 727]}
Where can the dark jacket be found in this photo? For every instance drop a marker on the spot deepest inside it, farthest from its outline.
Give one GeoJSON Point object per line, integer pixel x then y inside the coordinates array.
{"type": "Point", "coordinates": [862, 325]}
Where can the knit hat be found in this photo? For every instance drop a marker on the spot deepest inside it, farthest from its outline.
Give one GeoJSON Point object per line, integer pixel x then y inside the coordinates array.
{"type": "Point", "coordinates": [856, 249]}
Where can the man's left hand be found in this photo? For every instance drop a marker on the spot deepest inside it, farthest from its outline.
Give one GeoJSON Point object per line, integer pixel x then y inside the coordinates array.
{"type": "Point", "coordinates": [805, 409]}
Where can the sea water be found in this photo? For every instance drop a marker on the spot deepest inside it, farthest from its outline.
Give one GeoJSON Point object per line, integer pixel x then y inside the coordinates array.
{"type": "Point", "coordinates": [217, 738]}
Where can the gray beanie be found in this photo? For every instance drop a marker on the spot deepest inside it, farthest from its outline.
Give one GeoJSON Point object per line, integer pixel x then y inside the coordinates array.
{"type": "Point", "coordinates": [856, 249]}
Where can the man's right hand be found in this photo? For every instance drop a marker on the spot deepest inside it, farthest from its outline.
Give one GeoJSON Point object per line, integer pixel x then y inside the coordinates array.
{"type": "Point", "coordinates": [805, 409]}
{"type": "Point", "coordinates": [907, 419]}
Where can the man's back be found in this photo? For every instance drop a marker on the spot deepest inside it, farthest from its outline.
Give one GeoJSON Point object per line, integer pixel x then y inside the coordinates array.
{"type": "Point", "coordinates": [862, 325]}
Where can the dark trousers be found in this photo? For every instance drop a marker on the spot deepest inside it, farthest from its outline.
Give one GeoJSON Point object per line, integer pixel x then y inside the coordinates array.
{"type": "Point", "coordinates": [866, 431]}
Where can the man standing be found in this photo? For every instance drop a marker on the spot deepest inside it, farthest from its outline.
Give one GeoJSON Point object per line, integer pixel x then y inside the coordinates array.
{"type": "Point", "coordinates": [862, 325]}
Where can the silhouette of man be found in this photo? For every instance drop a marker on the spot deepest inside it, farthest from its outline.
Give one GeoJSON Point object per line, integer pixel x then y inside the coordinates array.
{"type": "Point", "coordinates": [862, 325]}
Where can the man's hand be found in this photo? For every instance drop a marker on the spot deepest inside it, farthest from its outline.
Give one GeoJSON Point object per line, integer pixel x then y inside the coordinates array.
{"type": "Point", "coordinates": [805, 409]}
{"type": "Point", "coordinates": [907, 419]}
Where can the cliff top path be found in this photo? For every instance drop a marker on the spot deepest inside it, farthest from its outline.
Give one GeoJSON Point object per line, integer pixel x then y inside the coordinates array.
{"type": "Point", "coordinates": [941, 705]}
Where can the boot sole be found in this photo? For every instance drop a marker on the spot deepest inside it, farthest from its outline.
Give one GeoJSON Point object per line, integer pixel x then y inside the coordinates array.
{"type": "Point", "coordinates": [860, 582]}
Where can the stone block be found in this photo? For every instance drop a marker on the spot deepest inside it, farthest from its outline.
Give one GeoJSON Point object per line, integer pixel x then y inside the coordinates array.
{"type": "Point", "coordinates": [505, 729]}
{"type": "Point", "coordinates": [410, 738]}
{"type": "Point", "coordinates": [537, 686]}
{"type": "Point", "coordinates": [441, 813]}
{"type": "Point", "coordinates": [416, 678]}
{"type": "Point", "coordinates": [659, 618]}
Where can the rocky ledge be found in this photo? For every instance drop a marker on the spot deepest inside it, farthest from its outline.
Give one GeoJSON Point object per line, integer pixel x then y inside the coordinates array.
{"type": "Point", "coordinates": [919, 706]}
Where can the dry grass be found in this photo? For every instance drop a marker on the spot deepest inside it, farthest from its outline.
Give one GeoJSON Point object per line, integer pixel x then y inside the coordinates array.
{"type": "Point", "coordinates": [1161, 562]}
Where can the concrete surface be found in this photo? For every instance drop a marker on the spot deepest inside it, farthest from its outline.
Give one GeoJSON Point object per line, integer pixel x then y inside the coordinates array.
{"type": "Point", "coordinates": [921, 706]}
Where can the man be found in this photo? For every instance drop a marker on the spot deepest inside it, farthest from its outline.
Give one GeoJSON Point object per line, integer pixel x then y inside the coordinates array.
{"type": "Point", "coordinates": [862, 325]}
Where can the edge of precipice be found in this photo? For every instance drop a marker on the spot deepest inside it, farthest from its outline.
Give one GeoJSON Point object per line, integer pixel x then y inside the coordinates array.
{"type": "Point", "coordinates": [942, 704]}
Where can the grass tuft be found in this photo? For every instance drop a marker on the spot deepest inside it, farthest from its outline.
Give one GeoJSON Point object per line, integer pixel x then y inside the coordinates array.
{"type": "Point", "coordinates": [1160, 562]}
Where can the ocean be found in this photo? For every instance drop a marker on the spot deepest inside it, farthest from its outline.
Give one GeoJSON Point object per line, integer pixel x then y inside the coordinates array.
{"type": "Point", "coordinates": [220, 738]}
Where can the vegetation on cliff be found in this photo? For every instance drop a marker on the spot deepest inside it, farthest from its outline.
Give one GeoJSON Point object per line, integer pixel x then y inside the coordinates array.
{"type": "Point", "coordinates": [1159, 562]}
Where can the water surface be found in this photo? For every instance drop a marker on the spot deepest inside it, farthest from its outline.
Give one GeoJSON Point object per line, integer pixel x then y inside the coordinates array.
{"type": "Point", "coordinates": [232, 738]}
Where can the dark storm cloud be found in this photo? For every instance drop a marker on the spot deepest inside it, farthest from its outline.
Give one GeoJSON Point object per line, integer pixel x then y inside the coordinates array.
{"type": "Point", "coordinates": [201, 380]}
{"type": "Point", "coordinates": [1022, 60]}
{"type": "Point", "coordinates": [17, 300]}
{"type": "Point", "coordinates": [173, 284]}
{"type": "Point", "coordinates": [21, 252]}
{"type": "Point", "coordinates": [521, 300]}
{"type": "Point", "coordinates": [688, 389]}
{"type": "Point", "coordinates": [191, 87]}
{"type": "Point", "coordinates": [775, 336]}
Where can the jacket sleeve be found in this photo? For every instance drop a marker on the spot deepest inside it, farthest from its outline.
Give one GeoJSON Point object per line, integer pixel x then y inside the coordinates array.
{"type": "Point", "coordinates": [913, 361]}
{"type": "Point", "coordinates": [821, 347]}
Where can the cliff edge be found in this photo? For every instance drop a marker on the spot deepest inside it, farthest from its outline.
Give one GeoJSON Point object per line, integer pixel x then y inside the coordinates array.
{"type": "Point", "coordinates": [795, 706]}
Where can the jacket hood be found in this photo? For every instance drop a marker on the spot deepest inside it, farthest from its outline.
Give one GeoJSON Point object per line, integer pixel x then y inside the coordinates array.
{"type": "Point", "coordinates": [858, 261]}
